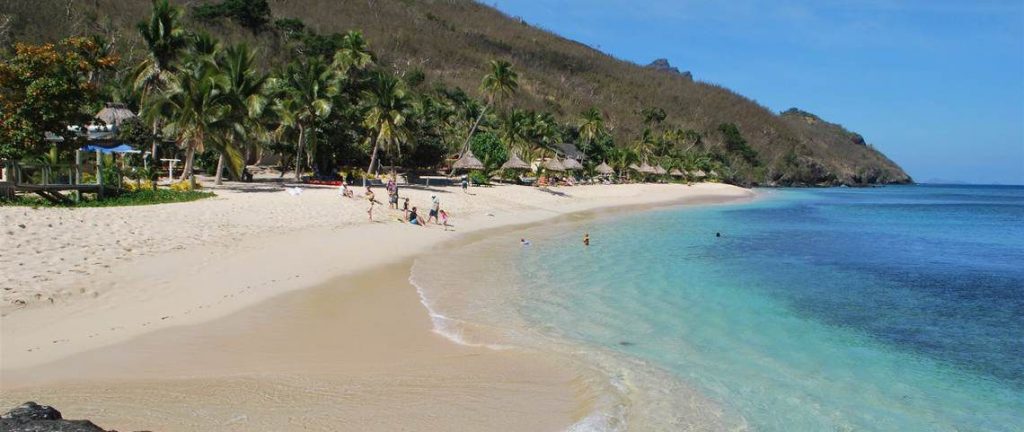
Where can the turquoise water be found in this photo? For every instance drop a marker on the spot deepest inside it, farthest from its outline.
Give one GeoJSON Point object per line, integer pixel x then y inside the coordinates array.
{"type": "Point", "coordinates": [899, 308]}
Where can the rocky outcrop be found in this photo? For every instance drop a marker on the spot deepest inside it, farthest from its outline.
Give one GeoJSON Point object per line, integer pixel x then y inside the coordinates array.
{"type": "Point", "coordinates": [32, 417]}
{"type": "Point", "coordinates": [664, 66]}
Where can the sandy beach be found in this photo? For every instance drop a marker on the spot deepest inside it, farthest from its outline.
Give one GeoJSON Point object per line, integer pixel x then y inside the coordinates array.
{"type": "Point", "coordinates": [259, 310]}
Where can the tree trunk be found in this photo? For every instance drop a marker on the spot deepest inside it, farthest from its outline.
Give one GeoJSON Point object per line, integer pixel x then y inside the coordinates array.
{"type": "Point", "coordinates": [220, 170]}
{"type": "Point", "coordinates": [156, 141]}
{"type": "Point", "coordinates": [373, 157]}
{"type": "Point", "coordinates": [298, 153]}
{"type": "Point", "coordinates": [469, 137]}
{"type": "Point", "coordinates": [187, 172]}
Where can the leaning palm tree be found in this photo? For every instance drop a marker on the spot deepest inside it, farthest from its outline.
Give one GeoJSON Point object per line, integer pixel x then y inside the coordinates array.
{"type": "Point", "coordinates": [388, 107]}
{"type": "Point", "coordinates": [197, 109]}
{"type": "Point", "coordinates": [308, 89]}
{"type": "Point", "coordinates": [245, 90]}
{"type": "Point", "coordinates": [591, 128]}
{"type": "Point", "coordinates": [165, 40]}
{"type": "Point", "coordinates": [501, 82]}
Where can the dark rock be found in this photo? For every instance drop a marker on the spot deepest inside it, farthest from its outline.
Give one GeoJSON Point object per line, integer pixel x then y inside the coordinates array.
{"type": "Point", "coordinates": [32, 411]}
{"type": "Point", "coordinates": [664, 66]}
{"type": "Point", "coordinates": [32, 417]}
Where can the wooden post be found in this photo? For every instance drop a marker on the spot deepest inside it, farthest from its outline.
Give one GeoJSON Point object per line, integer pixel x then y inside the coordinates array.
{"type": "Point", "coordinates": [99, 171]}
{"type": "Point", "coordinates": [78, 175]}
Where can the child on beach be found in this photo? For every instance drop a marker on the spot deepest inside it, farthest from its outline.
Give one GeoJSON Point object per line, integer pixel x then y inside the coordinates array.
{"type": "Point", "coordinates": [344, 191]}
{"type": "Point", "coordinates": [405, 207]}
{"type": "Point", "coordinates": [444, 219]}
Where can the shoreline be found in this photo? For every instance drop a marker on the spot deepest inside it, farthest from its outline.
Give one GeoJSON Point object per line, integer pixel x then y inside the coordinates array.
{"type": "Point", "coordinates": [249, 267]}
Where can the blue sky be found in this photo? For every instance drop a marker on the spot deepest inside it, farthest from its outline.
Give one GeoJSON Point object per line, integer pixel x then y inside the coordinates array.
{"type": "Point", "coordinates": [936, 85]}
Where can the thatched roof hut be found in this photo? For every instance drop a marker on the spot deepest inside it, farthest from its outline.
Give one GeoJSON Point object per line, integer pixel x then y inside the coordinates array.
{"type": "Point", "coordinates": [571, 164]}
{"type": "Point", "coordinates": [468, 162]}
{"type": "Point", "coordinates": [713, 173]}
{"type": "Point", "coordinates": [647, 169]}
{"type": "Point", "coordinates": [676, 173]}
{"type": "Point", "coordinates": [553, 165]}
{"type": "Point", "coordinates": [660, 170]}
{"type": "Point", "coordinates": [700, 174]}
{"type": "Point", "coordinates": [114, 113]}
{"type": "Point", "coordinates": [514, 163]}
{"type": "Point", "coordinates": [604, 169]}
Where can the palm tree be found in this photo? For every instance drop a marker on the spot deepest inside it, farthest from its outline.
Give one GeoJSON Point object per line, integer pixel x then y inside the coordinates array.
{"type": "Point", "coordinates": [245, 90]}
{"type": "Point", "coordinates": [308, 90]}
{"type": "Point", "coordinates": [591, 128]}
{"type": "Point", "coordinates": [354, 53]}
{"type": "Point", "coordinates": [165, 40]}
{"type": "Point", "coordinates": [501, 82]}
{"type": "Point", "coordinates": [197, 109]}
{"type": "Point", "coordinates": [387, 110]}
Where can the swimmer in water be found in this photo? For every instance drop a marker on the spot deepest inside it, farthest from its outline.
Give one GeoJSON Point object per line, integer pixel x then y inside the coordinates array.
{"type": "Point", "coordinates": [524, 242]}
{"type": "Point", "coordinates": [586, 239]}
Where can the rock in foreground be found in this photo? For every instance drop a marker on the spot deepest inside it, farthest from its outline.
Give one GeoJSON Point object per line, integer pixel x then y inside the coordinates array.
{"type": "Point", "coordinates": [32, 417]}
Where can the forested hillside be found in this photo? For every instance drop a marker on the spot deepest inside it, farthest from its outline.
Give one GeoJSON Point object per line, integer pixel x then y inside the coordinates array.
{"type": "Point", "coordinates": [443, 45]}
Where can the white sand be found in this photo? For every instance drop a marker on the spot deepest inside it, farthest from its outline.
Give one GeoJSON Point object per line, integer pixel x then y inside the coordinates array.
{"type": "Point", "coordinates": [76, 280]}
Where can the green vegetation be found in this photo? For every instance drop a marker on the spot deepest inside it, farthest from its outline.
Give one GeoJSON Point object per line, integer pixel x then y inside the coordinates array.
{"type": "Point", "coordinates": [300, 81]}
{"type": "Point", "coordinates": [137, 198]}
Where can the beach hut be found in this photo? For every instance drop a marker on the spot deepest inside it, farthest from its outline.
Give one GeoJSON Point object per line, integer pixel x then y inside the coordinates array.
{"type": "Point", "coordinates": [604, 169]}
{"type": "Point", "coordinates": [713, 174]}
{"type": "Point", "coordinates": [676, 173]}
{"type": "Point", "coordinates": [659, 170]}
{"type": "Point", "coordinates": [571, 164]}
{"type": "Point", "coordinates": [514, 163]}
{"type": "Point", "coordinates": [553, 165]}
{"type": "Point", "coordinates": [468, 162]}
{"type": "Point", "coordinates": [700, 174]}
{"type": "Point", "coordinates": [647, 169]}
{"type": "Point", "coordinates": [113, 114]}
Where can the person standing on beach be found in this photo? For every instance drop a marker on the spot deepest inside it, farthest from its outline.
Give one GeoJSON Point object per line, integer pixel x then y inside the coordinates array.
{"type": "Point", "coordinates": [405, 207]}
{"type": "Point", "coordinates": [435, 207]}
{"type": "Point", "coordinates": [465, 184]}
{"type": "Point", "coordinates": [370, 198]}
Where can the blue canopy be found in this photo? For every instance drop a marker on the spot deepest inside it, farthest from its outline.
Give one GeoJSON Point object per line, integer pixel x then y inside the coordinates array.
{"type": "Point", "coordinates": [123, 148]}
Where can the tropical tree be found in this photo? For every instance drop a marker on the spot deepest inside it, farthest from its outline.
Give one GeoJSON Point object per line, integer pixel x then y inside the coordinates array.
{"type": "Point", "coordinates": [354, 53]}
{"type": "Point", "coordinates": [502, 81]}
{"type": "Point", "coordinates": [197, 108]}
{"type": "Point", "coordinates": [308, 90]}
{"type": "Point", "coordinates": [388, 108]}
{"type": "Point", "coordinates": [591, 128]}
{"type": "Point", "coordinates": [245, 87]}
{"type": "Point", "coordinates": [46, 88]}
{"type": "Point", "coordinates": [165, 40]}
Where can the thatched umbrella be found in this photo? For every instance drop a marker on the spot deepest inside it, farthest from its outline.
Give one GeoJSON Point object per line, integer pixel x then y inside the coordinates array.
{"type": "Point", "coordinates": [571, 164]}
{"type": "Point", "coordinates": [660, 170]}
{"type": "Point", "coordinates": [676, 173]}
{"type": "Point", "coordinates": [647, 169]}
{"type": "Point", "coordinates": [713, 174]}
{"type": "Point", "coordinates": [604, 169]}
{"type": "Point", "coordinates": [553, 165]}
{"type": "Point", "coordinates": [468, 162]}
{"type": "Point", "coordinates": [113, 114]}
{"type": "Point", "coordinates": [699, 174]}
{"type": "Point", "coordinates": [514, 163]}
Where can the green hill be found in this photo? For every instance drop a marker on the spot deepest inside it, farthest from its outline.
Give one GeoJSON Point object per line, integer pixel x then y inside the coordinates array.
{"type": "Point", "coordinates": [451, 41]}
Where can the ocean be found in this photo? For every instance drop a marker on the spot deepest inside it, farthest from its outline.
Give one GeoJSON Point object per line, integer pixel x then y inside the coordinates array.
{"type": "Point", "coordinates": [896, 308]}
